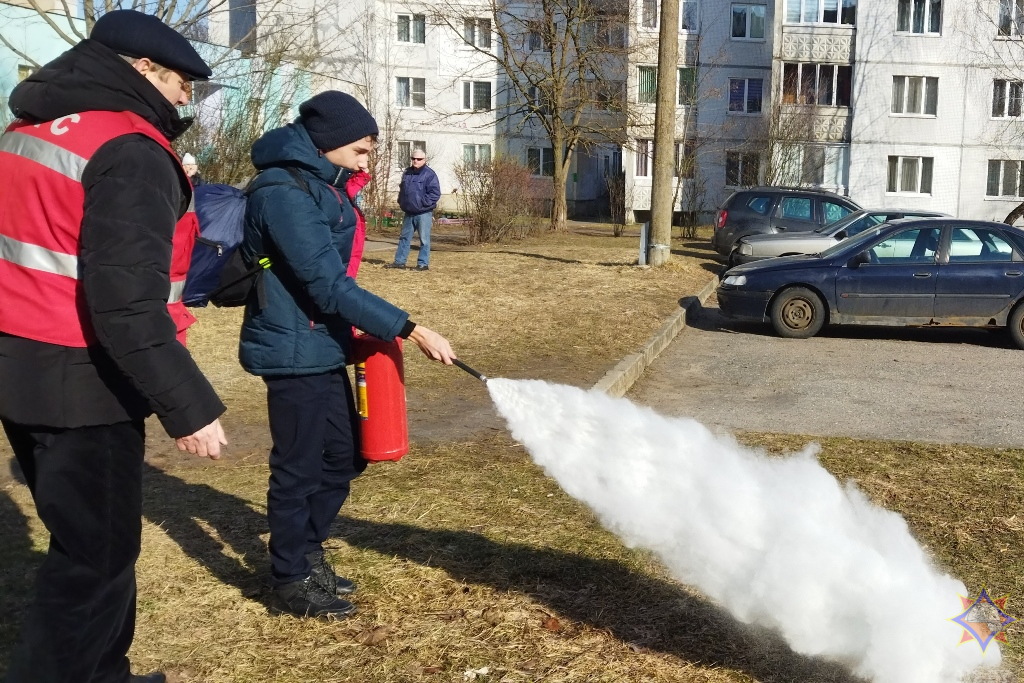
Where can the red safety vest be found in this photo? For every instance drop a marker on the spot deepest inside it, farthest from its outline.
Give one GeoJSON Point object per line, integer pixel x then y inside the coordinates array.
{"type": "Point", "coordinates": [41, 211]}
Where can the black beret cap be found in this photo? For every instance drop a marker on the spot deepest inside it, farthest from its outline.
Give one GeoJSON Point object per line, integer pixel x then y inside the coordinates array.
{"type": "Point", "coordinates": [136, 34]}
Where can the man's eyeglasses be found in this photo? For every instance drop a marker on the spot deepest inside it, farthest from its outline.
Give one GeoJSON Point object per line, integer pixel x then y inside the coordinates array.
{"type": "Point", "coordinates": [419, 158]}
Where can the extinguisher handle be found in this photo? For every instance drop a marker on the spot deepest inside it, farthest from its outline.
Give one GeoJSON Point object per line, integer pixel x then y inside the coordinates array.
{"type": "Point", "coordinates": [468, 369]}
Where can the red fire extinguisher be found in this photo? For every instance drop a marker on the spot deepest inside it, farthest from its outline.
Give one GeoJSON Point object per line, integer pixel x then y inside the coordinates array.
{"type": "Point", "coordinates": [380, 398]}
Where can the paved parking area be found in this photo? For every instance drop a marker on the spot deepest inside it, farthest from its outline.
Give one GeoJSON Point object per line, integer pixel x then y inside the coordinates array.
{"type": "Point", "coordinates": [948, 385]}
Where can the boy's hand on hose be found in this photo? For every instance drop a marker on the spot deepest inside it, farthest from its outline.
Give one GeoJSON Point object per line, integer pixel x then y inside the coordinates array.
{"type": "Point", "coordinates": [433, 345]}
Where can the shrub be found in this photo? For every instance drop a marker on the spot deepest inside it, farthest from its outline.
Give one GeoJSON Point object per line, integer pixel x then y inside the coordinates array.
{"type": "Point", "coordinates": [494, 194]}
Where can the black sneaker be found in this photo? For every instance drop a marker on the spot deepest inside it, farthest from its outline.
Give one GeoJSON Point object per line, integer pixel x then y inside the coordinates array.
{"type": "Point", "coordinates": [323, 574]}
{"type": "Point", "coordinates": [155, 677]}
{"type": "Point", "coordinates": [307, 599]}
{"type": "Point", "coordinates": [399, 266]}
{"type": "Point", "coordinates": [422, 267]}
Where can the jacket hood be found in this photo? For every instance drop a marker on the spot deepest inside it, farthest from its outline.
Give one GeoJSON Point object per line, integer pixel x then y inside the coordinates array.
{"type": "Point", "coordinates": [92, 77]}
{"type": "Point", "coordinates": [290, 146]}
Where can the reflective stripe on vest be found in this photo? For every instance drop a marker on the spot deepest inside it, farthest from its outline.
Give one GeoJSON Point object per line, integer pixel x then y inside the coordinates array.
{"type": "Point", "coordinates": [41, 211]}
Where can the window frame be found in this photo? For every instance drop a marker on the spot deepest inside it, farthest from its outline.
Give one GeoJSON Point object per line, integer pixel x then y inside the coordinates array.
{"type": "Point", "coordinates": [472, 96]}
{"type": "Point", "coordinates": [413, 81]}
{"type": "Point", "coordinates": [801, 81]}
{"type": "Point", "coordinates": [900, 165]}
{"type": "Point", "coordinates": [644, 158]}
{"type": "Point", "coordinates": [476, 148]}
{"type": "Point", "coordinates": [746, 97]}
{"type": "Point", "coordinates": [925, 82]}
{"type": "Point", "coordinates": [841, 7]}
{"type": "Point", "coordinates": [684, 149]}
{"type": "Point", "coordinates": [542, 163]}
{"type": "Point", "coordinates": [411, 17]}
{"type": "Point", "coordinates": [691, 86]}
{"type": "Point", "coordinates": [926, 21]}
{"type": "Point", "coordinates": [473, 25]}
{"type": "Point", "coordinates": [651, 71]}
{"type": "Point", "coordinates": [644, 22]}
{"type": "Point", "coordinates": [742, 158]}
{"type": "Point", "coordinates": [1001, 180]}
{"type": "Point", "coordinates": [1014, 20]}
{"type": "Point", "coordinates": [748, 7]}
{"type": "Point", "coordinates": [1005, 95]}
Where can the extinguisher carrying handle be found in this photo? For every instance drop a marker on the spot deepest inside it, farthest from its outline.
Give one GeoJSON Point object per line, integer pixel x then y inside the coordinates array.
{"type": "Point", "coordinates": [468, 369]}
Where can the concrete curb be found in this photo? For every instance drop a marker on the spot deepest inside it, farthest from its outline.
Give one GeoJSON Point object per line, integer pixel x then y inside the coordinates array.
{"type": "Point", "coordinates": [617, 381]}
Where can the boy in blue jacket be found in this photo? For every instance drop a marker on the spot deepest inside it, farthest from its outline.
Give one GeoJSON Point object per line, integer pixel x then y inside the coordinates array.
{"type": "Point", "coordinates": [299, 340]}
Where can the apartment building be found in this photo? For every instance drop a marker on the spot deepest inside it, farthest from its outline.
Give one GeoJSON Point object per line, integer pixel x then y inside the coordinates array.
{"type": "Point", "coordinates": [896, 103]}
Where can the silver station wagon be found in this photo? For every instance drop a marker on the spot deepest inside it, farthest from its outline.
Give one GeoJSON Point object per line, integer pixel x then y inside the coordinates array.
{"type": "Point", "coordinates": [757, 247]}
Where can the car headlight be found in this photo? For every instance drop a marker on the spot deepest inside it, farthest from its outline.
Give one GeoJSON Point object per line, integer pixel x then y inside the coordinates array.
{"type": "Point", "coordinates": [735, 280]}
{"type": "Point", "coordinates": [746, 249]}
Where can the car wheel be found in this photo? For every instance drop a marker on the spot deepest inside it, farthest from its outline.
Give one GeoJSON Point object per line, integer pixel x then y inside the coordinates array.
{"type": "Point", "coordinates": [797, 313]}
{"type": "Point", "coordinates": [1016, 325]}
{"type": "Point", "coordinates": [733, 261]}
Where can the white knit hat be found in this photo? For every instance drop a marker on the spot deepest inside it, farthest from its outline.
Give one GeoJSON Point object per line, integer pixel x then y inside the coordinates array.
{"type": "Point", "coordinates": [187, 159]}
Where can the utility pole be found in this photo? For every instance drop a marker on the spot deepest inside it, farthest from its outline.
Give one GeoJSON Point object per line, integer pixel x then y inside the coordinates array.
{"type": "Point", "coordinates": [664, 134]}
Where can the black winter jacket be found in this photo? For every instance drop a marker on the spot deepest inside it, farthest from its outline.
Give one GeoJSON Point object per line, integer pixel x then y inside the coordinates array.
{"type": "Point", "coordinates": [135, 193]}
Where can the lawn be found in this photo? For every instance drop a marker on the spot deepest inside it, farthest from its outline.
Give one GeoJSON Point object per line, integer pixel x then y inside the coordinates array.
{"type": "Point", "coordinates": [471, 564]}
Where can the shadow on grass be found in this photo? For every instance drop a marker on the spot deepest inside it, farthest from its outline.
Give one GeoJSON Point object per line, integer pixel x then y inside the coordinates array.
{"type": "Point", "coordinates": [18, 564]}
{"type": "Point", "coordinates": [177, 507]}
{"type": "Point", "coordinates": [604, 594]}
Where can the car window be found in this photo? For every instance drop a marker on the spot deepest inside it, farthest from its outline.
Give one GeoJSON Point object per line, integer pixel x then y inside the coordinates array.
{"type": "Point", "coordinates": [862, 224]}
{"type": "Point", "coordinates": [976, 245]}
{"type": "Point", "coordinates": [834, 212]}
{"type": "Point", "coordinates": [854, 244]}
{"type": "Point", "coordinates": [796, 207]}
{"type": "Point", "coordinates": [917, 245]}
{"type": "Point", "coordinates": [760, 204]}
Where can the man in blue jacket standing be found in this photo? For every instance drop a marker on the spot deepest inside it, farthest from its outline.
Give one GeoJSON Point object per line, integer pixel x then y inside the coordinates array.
{"type": "Point", "coordinates": [417, 197]}
{"type": "Point", "coordinates": [297, 337]}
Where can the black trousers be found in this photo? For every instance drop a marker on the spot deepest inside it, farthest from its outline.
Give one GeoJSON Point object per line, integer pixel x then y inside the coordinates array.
{"type": "Point", "coordinates": [315, 430]}
{"type": "Point", "coordinates": [87, 487]}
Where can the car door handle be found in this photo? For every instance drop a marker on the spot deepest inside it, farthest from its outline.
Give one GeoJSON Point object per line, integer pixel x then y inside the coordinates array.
{"type": "Point", "coordinates": [922, 274]}
{"type": "Point", "coordinates": [1013, 273]}
{"type": "Point", "coordinates": [782, 228]}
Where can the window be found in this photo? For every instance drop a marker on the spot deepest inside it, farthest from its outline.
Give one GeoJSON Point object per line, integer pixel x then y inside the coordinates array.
{"type": "Point", "coordinates": [1011, 17]}
{"type": "Point", "coordinates": [647, 84]}
{"type": "Point", "coordinates": [1004, 179]}
{"type": "Point", "coordinates": [411, 92]}
{"type": "Point", "coordinates": [1006, 98]}
{"type": "Point", "coordinates": [604, 31]}
{"type": "Point", "coordinates": [477, 32]}
{"type": "Point", "coordinates": [612, 163]}
{"type": "Point", "coordinates": [815, 165]}
{"type": "Point", "coordinates": [609, 95]}
{"type": "Point", "coordinates": [24, 71]}
{"type": "Point", "coordinates": [917, 245]}
{"type": "Point", "coordinates": [919, 16]}
{"type": "Point", "coordinates": [745, 95]}
{"type": "Point", "coordinates": [687, 14]}
{"type": "Point", "coordinates": [915, 95]}
{"type": "Point", "coordinates": [798, 208]}
{"type": "Point", "coordinates": [412, 28]}
{"type": "Point", "coordinates": [911, 175]}
{"type": "Point", "coordinates": [476, 95]}
{"type": "Point", "coordinates": [978, 245]}
{"type": "Point", "coordinates": [538, 103]}
{"type": "Point", "coordinates": [644, 158]}
{"type": "Point", "coordinates": [821, 12]}
{"type": "Point", "coordinates": [760, 205]}
{"type": "Point", "coordinates": [403, 151]}
{"type": "Point", "coordinates": [541, 161]}
{"type": "Point", "coordinates": [685, 161]}
{"type": "Point", "coordinates": [742, 169]}
{"type": "Point", "coordinates": [834, 212]}
{"type": "Point", "coordinates": [476, 154]}
{"type": "Point", "coordinates": [242, 32]}
{"type": "Point", "coordinates": [687, 86]}
{"type": "Point", "coordinates": [748, 22]}
{"type": "Point", "coordinates": [826, 85]}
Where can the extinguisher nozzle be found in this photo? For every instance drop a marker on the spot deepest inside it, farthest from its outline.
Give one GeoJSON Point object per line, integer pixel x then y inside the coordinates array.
{"type": "Point", "coordinates": [468, 369]}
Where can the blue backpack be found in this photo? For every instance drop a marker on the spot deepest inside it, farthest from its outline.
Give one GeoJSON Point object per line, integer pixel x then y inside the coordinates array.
{"type": "Point", "coordinates": [217, 273]}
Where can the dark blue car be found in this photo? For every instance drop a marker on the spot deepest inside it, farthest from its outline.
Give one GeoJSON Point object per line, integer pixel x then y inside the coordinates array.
{"type": "Point", "coordinates": [935, 271]}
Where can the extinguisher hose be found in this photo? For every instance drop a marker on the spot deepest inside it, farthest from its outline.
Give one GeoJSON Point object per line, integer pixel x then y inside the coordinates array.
{"type": "Point", "coordinates": [468, 369]}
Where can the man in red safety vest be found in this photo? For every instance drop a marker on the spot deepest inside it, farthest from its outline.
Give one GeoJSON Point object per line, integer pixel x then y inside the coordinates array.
{"type": "Point", "coordinates": [95, 242]}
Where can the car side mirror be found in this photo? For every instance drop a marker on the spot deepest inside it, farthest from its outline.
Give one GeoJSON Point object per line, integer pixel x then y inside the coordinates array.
{"type": "Point", "coordinates": [860, 259]}
{"type": "Point", "coordinates": [841, 235]}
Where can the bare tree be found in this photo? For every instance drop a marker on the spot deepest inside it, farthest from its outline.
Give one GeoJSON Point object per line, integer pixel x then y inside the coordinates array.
{"type": "Point", "coordinates": [560, 66]}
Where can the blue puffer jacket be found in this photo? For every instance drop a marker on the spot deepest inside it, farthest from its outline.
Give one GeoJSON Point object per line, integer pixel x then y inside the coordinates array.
{"type": "Point", "coordinates": [311, 302]}
{"type": "Point", "coordinates": [419, 191]}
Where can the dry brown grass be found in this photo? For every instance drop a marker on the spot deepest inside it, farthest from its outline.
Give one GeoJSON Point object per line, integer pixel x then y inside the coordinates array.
{"type": "Point", "coordinates": [467, 557]}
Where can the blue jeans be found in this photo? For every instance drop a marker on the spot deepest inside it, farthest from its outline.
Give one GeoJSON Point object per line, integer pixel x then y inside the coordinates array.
{"type": "Point", "coordinates": [315, 457]}
{"type": "Point", "coordinates": [419, 222]}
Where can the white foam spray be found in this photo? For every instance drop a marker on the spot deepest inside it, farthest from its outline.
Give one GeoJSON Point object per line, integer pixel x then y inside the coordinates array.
{"type": "Point", "coordinates": [776, 541]}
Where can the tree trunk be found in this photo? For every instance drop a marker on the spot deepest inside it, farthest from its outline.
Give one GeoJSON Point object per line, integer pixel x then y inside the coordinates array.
{"type": "Point", "coordinates": [664, 135]}
{"type": "Point", "coordinates": [559, 205]}
{"type": "Point", "coordinates": [1015, 215]}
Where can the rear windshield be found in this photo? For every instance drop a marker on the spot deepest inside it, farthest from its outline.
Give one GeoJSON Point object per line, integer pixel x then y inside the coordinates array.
{"type": "Point", "coordinates": [760, 204]}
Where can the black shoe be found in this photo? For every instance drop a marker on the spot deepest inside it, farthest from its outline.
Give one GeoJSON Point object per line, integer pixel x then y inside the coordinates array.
{"type": "Point", "coordinates": [399, 266]}
{"type": "Point", "coordinates": [422, 267]}
{"type": "Point", "coordinates": [323, 574]}
{"type": "Point", "coordinates": [155, 677]}
{"type": "Point", "coordinates": [307, 599]}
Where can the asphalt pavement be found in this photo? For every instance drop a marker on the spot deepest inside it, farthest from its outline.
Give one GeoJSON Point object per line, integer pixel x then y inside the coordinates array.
{"type": "Point", "coordinates": [935, 385]}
